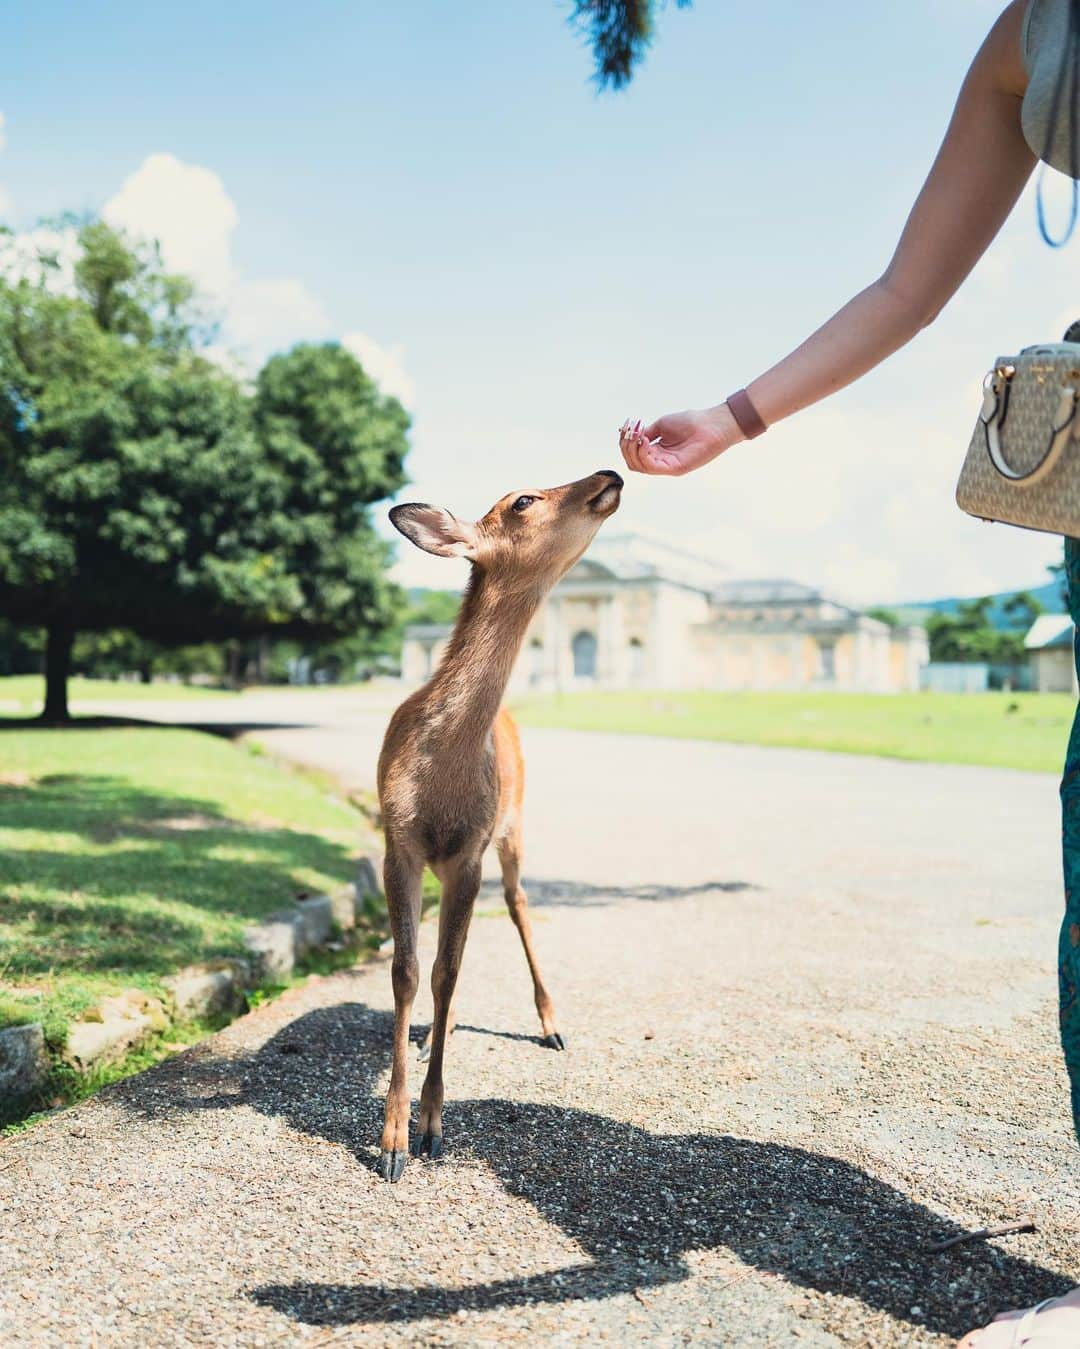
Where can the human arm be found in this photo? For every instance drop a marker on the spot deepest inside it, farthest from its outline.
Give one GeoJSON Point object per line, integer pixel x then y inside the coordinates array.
{"type": "Point", "coordinates": [974, 183]}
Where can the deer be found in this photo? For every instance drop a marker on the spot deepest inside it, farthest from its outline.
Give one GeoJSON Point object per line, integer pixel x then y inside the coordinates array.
{"type": "Point", "coordinates": [451, 772]}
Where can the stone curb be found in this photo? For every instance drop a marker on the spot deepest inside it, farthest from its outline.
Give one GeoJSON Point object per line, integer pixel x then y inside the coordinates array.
{"type": "Point", "coordinates": [122, 1023]}
{"type": "Point", "coordinates": [125, 1021]}
{"type": "Point", "coordinates": [275, 945]}
{"type": "Point", "coordinates": [24, 1064]}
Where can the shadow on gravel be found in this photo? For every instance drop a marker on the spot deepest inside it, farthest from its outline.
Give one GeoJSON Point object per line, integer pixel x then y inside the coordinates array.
{"type": "Point", "coordinates": [576, 894]}
{"type": "Point", "coordinates": [635, 1201]}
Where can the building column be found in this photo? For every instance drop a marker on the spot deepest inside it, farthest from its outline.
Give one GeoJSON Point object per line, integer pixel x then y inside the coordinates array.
{"type": "Point", "coordinates": [557, 637]}
{"type": "Point", "coordinates": [610, 656]}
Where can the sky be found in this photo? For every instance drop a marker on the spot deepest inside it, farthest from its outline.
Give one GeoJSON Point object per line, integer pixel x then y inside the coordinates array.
{"type": "Point", "coordinates": [526, 261]}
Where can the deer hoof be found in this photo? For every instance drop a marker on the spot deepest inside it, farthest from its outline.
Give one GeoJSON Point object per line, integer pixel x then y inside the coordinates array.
{"type": "Point", "coordinates": [392, 1164]}
{"type": "Point", "coordinates": [553, 1041]}
{"type": "Point", "coordinates": [428, 1145]}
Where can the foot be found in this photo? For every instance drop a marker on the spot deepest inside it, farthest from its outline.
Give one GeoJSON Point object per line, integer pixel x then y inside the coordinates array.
{"type": "Point", "coordinates": [392, 1164]}
{"type": "Point", "coordinates": [428, 1145]}
{"type": "Point", "coordinates": [553, 1041]}
{"type": "Point", "coordinates": [1054, 1324]}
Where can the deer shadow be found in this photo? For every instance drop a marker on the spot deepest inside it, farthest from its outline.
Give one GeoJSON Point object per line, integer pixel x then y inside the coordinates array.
{"type": "Point", "coordinates": [637, 1203]}
{"type": "Point", "coordinates": [544, 892]}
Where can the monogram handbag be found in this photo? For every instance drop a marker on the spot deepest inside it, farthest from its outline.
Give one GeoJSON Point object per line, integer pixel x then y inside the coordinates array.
{"type": "Point", "coordinates": [1023, 463]}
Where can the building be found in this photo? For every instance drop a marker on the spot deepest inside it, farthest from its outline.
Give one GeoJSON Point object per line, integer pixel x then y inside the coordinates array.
{"type": "Point", "coordinates": [1049, 644]}
{"type": "Point", "coordinates": [638, 612]}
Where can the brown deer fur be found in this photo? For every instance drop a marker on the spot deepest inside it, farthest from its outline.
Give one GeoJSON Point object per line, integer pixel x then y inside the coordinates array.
{"type": "Point", "coordinates": [451, 775]}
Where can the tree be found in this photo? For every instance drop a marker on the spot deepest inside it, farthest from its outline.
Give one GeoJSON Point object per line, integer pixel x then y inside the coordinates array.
{"type": "Point", "coordinates": [619, 32]}
{"type": "Point", "coordinates": [143, 488]}
{"type": "Point", "coordinates": [334, 445]}
{"type": "Point", "coordinates": [888, 616]}
{"type": "Point", "coordinates": [968, 635]}
{"type": "Point", "coordinates": [1021, 610]}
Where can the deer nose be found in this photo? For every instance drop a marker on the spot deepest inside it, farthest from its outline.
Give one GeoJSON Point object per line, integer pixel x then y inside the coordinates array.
{"type": "Point", "coordinates": [609, 473]}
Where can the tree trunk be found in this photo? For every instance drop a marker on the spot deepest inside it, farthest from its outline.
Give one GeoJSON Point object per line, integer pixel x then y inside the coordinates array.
{"type": "Point", "coordinates": [60, 638]}
{"type": "Point", "coordinates": [146, 672]}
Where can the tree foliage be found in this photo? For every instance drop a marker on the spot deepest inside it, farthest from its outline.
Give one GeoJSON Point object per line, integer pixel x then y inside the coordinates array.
{"type": "Point", "coordinates": [143, 488]}
{"type": "Point", "coordinates": [619, 33]}
{"type": "Point", "coordinates": [968, 635]}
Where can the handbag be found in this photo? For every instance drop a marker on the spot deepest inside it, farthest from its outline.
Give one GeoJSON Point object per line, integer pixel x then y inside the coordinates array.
{"type": "Point", "coordinates": [1023, 462]}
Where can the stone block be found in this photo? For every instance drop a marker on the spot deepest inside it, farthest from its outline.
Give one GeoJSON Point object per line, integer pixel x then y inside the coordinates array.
{"type": "Point", "coordinates": [272, 947]}
{"type": "Point", "coordinates": [120, 1024]}
{"type": "Point", "coordinates": [24, 1064]}
{"type": "Point", "coordinates": [344, 906]}
{"type": "Point", "coordinates": [368, 878]}
{"type": "Point", "coordinates": [200, 991]}
{"type": "Point", "coordinates": [316, 918]}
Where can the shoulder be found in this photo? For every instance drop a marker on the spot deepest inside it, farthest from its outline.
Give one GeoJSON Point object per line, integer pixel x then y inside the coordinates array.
{"type": "Point", "coordinates": [1003, 56]}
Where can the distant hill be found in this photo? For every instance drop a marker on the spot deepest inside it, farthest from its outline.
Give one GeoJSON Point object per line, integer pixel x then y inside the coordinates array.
{"type": "Point", "coordinates": [1049, 596]}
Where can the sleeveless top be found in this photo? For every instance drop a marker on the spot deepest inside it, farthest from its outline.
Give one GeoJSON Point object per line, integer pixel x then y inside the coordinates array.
{"type": "Point", "coordinates": [1045, 34]}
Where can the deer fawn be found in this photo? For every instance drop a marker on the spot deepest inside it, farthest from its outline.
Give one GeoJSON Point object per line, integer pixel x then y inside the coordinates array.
{"type": "Point", "coordinates": [451, 772]}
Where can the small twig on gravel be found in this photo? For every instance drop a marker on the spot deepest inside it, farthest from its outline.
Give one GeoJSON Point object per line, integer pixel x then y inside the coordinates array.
{"type": "Point", "coordinates": [1002, 1230]}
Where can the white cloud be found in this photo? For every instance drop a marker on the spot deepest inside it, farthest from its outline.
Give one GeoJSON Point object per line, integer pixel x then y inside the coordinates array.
{"type": "Point", "coordinates": [21, 257]}
{"type": "Point", "coordinates": [264, 316]}
{"type": "Point", "coordinates": [386, 366]}
{"type": "Point", "coordinates": [186, 209]}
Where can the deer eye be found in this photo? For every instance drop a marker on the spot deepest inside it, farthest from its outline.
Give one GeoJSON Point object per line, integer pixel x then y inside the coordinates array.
{"type": "Point", "coordinates": [522, 504]}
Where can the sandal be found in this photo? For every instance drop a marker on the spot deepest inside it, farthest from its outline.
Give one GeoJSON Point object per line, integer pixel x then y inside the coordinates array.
{"type": "Point", "coordinates": [1052, 1324]}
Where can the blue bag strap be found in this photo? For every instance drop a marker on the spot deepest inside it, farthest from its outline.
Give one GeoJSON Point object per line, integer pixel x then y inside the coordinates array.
{"type": "Point", "coordinates": [1068, 75]}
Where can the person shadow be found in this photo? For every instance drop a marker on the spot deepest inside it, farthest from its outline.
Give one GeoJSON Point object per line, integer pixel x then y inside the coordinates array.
{"type": "Point", "coordinates": [636, 1202]}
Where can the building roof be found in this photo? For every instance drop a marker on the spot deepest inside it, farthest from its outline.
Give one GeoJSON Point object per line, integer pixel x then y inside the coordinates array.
{"type": "Point", "coordinates": [635, 557]}
{"type": "Point", "coordinates": [766, 591]}
{"type": "Point", "coordinates": [1049, 631]}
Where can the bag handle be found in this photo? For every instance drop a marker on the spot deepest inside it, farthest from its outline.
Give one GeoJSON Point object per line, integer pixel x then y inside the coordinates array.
{"type": "Point", "coordinates": [1070, 65]}
{"type": "Point", "coordinates": [995, 408]}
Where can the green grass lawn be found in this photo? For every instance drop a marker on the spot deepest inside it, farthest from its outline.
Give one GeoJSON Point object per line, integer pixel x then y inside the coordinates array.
{"type": "Point", "coordinates": [1027, 731]}
{"type": "Point", "coordinates": [128, 853]}
{"type": "Point", "coordinates": [28, 692]}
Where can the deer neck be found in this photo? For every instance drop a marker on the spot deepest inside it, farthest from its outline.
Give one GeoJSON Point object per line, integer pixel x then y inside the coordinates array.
{"type": "Point", "coordinates": [466, 690]}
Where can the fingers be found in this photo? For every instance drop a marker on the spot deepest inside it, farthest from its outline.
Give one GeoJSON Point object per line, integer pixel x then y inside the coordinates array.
{"type": "Point", "coordinates": [630, 442]}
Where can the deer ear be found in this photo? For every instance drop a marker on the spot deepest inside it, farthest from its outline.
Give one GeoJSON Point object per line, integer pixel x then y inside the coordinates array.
{"type": "Point", "coordinates": [435, 530]}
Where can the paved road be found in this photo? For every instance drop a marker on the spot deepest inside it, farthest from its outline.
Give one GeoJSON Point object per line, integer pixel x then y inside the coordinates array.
{"type": "Point", "coordinates": [809, 1001]}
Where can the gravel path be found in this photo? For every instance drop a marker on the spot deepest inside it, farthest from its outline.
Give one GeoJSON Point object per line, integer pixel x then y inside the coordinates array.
{"type": "Point", "coordinates": [809, 1002]}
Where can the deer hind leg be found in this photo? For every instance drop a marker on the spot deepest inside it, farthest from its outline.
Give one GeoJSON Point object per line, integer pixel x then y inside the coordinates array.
{"type": "Point", "coordinates": [401, 877]}
{"type": "Point", "coordinates": [460, 879]}
{"type": "Point", "coordinates": [509, 850]}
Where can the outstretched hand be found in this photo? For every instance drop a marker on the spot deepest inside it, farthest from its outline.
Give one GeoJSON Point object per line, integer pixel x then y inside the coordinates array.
{"type": "Point", "coordinates": [678, 443]}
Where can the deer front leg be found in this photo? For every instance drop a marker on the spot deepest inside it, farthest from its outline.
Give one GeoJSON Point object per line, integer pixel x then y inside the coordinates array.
{"type": "Point", "coordinates": [460, 883]}
{"type": "Point", "coordinates": [401, 878]}
{"type": "Point", "coordinates": [509, 850]}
